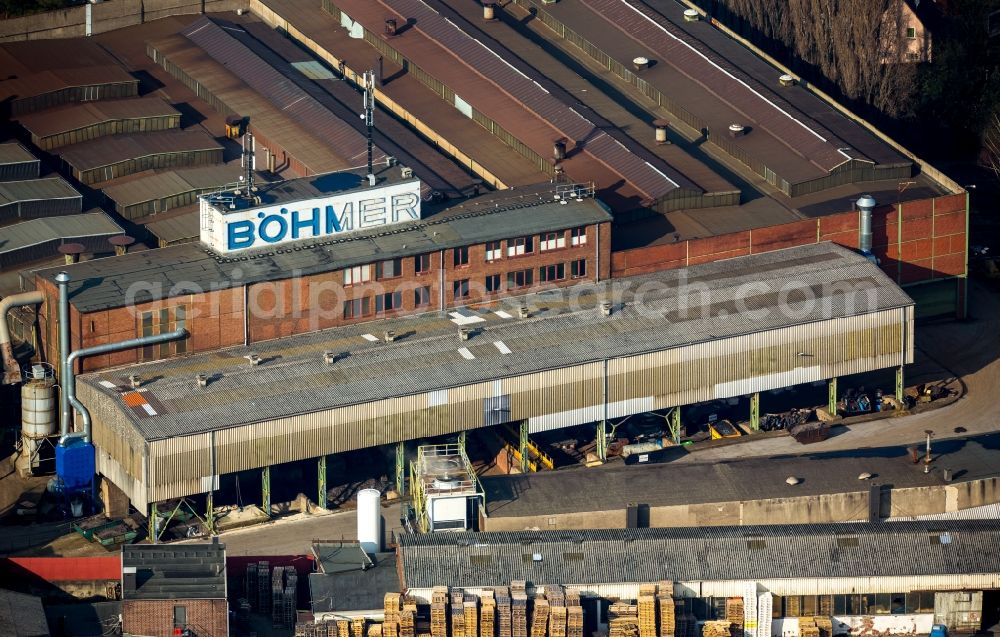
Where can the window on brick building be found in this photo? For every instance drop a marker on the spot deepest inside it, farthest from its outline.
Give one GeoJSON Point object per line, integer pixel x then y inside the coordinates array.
{"type": "Point", "coordinates": [578, 236]}
{"type": "Point", "coordinates": [460, 289]}
{"type": "Point", "coordinates": [389, 269]}
{"type": "Point", "coordinates": [911, 33]}
{"type": "Point", "coordinates": [578, 268]}
{"type": "Point", "coordinates": [555, 272]}
{"type": "Point", "coordinates": [461, 256]}
{"type": "Point", "coordinates": [519, 246]}
{"type": "Point", "coordinates": [494, 250]}
{"type": "Point", "coordinates": [552, 241]}
{"type": "Point", "coordinates": [422, 296]}
{"type": "Point", "coordinates": [493, 283]}
{"type": "Point", "coordinates": [180, 616]}
{"type": "Point", "coordinates": [422, 263]}
{"type": "Point", "coordinates": [357, 308]}
{"type": "Point", "coordinates": [519, 279]}
{"type": "Point", "coordinates": [388, 302]}
{"type": "Point", "coordinates": [161, 321]}
{"type": "Point", "coordinates": [357, 274]}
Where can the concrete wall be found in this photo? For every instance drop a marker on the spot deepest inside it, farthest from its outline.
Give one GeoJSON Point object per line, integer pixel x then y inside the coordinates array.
{"type": "Point", "coordinates": [106, 16]}
{"type": "Point", "coordinates": [836, 507]}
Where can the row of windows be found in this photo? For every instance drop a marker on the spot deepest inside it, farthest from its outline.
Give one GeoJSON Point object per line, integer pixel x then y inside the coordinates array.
{"type": "Point", "coordinates": [520, 246]}
{"type": "Point", "coordinates": [521, 279]}
{"type": "Point", "coordinates": [823, 605]}
{"type": "Point", "coordinates": [162, 321]}
{"type": "Point", "coordinates": [388, 302]}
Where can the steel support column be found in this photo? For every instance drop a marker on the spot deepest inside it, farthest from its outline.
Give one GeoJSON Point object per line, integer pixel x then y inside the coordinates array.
{"type": "Point", "coordinates": [755, 411]}
{"type": "Point", "coordinates": [602, 441]}
{"type": "Point", "coordinates": [674, 423]}
{"type": "Point", "coordinates": [321, 482]}
{"type": "Point", "coordinates": [900, 385]}
{"type": "Point", "coordinates": [210, 513]}
{"type": "Point", "coordinates": [523, 446]}
{"type": "Point", "coordinates": [151, 523]}
{"type": "Point", "coordinates": [831, 387]}
{"type": "Point", "coordinates": [265, 490]}
{"type": "Point", "coordinates": [462, 437]}
{"type": "Point", "coordinates": [401, 468]}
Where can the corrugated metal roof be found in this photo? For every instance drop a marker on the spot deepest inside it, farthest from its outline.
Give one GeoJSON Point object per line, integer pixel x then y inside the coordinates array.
{"type": "Point", "coordinates": [246, 65]}
{"type": "Point", "coordinates": [22, 615]}
{"type": "Point", "coordinates": [75, 116]}
{"type": "Point", "coordinates": [177, 228]}
{"type": "Point", "coordinates": [184, 571]}
{"type": "Point", "coordinates": [611, 556]}
{"type": "Point", "coordinates": [567, 330]}
{"type": "Point", "coordinates": [170, 183]}
{"type": "Point", "coordinates": [514, 90]}
{"type": "Point", "coordinates": [36, 190]}
{"type": "Point", "coordinates": [14, 153]}
{"type": "Point", "coordinates": [102, 283]}
{"type": "Point", "coordinates": [68, 227]}
{"type": "Point", "coordinates": [117, 148]}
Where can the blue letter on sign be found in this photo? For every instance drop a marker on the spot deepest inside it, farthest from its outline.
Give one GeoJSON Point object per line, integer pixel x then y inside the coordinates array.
{"type": "Point", "coordinates": [299, 224]}
{"type": "Point", "coordinates": [279, 231]}
{"type": "Point", "coordinates": [240, 235]}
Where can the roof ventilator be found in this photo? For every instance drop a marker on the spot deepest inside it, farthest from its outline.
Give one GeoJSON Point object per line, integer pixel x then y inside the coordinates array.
{"type": "Point", "coordinates": [405, 172]}
{"type": "Point", "coordinates": [489, 11]}
{"type": "Point", "coordinates": [523, 312]}
{"type": "Point", "coordinates": [389, 336]}
{"type": "Point", "coordinates": [737, 130]}
{"type": "Point", "coordinates": [134, 381]}
{"type": "Point", "coordinates": [865, 206]}
{"type": "Point", "coordinates": [606, 308]}
{"type": "Point", "coordinates": [254, 359]}
{"type": "Point", "coordinates": [691, 15]}
{"type": "Point", "coordinates": [786, 80]}
{"type": "Point", "coordinates": [329, 357]}
{"type": "Point", "coordinates": [202, 380]}
{"type": "Point", "coordinates": [464, 333]}
{"type": "Point", "coordinates": [640, 63]}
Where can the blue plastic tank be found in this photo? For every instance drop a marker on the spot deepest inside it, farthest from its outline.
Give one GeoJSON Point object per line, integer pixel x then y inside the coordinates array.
{"type": "Point", "coordinates": [75, 465]}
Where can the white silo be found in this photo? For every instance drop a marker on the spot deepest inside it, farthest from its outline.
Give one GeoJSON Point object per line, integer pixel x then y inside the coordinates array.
{"type": "Point", "coordinates": [38, 413]}
{"type": "Point", "coordinates": [369, 521]}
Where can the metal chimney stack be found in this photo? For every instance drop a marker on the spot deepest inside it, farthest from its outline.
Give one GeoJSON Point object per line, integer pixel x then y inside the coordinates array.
{"type": "Point", "coordinates": [865, 204]}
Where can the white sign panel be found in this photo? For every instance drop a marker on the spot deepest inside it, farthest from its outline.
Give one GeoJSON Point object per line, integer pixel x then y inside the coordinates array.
{"type": "Point", "coordinates": [237, 230]}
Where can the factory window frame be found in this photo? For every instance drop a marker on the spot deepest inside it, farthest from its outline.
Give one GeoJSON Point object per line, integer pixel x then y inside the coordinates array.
{"type": "Point", "coordinates": [422, 263]}
{"type": "Point", "coordinates": [847, 542]}
{"type": "Point", "coordinates": [776, 607]}
{"type": "Point", "coordinates": [578, 268]}
{"type": "Point", "coordinates": [572, 557]}
{"type": "Point", "coordinates": [717, 607]}
{"type": "Point", "coordinates": [519, 279]}
{"type": "Point", "coordinates": [810, 606]}
{"type": "Point", "coordinates": [389, 269]}
{"type": "Point", "coordinates": [461, 257]}
{"type": "Point", "coordinates": [920, 602]}
{"type": "Point", "coordinates": [520, 246]}
{"type": "Point", "coordinates": [897, 603]}
{"type": "Point", "coordinates": [357, 274]}
{"type": "Point", "coordinates": [492, 283]}
{"type": "Point", "coordinates": [756, 544]}
{"type": "Point", "coordinates": [388, 302]}
{"type": "Point", "coordinates": [422, 296]}
{"type": "Point", "coordinates": [554, 272]}
{"type": "Point", "coordinates": [161, 321]}
{"type": "Point", "coordinates": [480, 560]}
{"type": "Point", "coordinates": [494, 250]}
{"type": "Point", "coordinates": [911, 33]}
{"type": "Point", "coordinates": [460, 289]}
{"type": "Point", "coordinates": [357, 308]}
{"type": "Point", "coordinates": [552, 241]}
{"type": "Point", "coordinates": [180, 616]}
{"type": "Point", "coordinates": [578, 236]}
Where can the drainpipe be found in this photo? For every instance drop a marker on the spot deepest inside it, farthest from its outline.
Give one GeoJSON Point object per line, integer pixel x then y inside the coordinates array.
{"type": "Point", "coordinates": [69, 382]}
{"type": "Point", "coordinates": [12, 371]}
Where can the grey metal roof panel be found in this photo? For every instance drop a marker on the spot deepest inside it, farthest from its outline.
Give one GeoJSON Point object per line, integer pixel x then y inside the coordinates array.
{"type": "Point", "coordinates": [182, 571]}
{"type": "Point", "coordinates": [14, 153]}
{"type": "Point", "coordinates": [700, 553]}
{"type": "Point", "coordinates": [349, 588]}
{"type": "Point", "coordinates": [28, 233]}
{"type": "Point", "coordinates": [102, 283]}
{"type": "Point", "coordinates": [70, 117]}
{"type": "Point", "coordinates": [117, 148]}
{"type": "Point", "coordinates": [36, 190]}
{"type": "Point", "coordinates": [177, 228]}
{"type": "Point", "coordinates": [170, 183]}
{"type": "Point", "coordinates": [566, 330]}
{"type": "Point", "coordinates": [22, 615]}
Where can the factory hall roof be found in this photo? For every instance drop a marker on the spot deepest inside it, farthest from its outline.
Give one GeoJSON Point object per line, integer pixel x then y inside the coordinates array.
{"type": "Point", "coordinates": [14, 153]}
{"type": "Point", "coordinates": [181, 571]}
{"type": "Point", "coordinates": [70, 117]}
{"type": "Point", "coordinates": [36, 190]}
{"type": "Point", "coordinates": [855, 550]}
{"type": "Point", "coordinates": [28, 233]}
{"type": "Point", "coordinates": [106, 151]}
{"type": "Point", "coordinates": [104, 283]}
{"type": "Point", "coordinates": [650, 313]}
{"type": "Point", "coordinates": [22, 615]}
{"type": "Point", "coordinates": [344, 585]}
{"type": "Point", "coordinates": [170, 183]}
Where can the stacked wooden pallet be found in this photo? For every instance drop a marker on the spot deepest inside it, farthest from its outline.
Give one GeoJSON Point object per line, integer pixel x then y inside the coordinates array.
{"type": "Point", "coordinates": [574, 620]}
{"type": "Point", "coordinates": [825, 605]}
{"type": "Point", "coordinates": [572, 597]}
{"type": "Point", "coordinates": [717, 629]}
{"type": "Point", "coordinates": [504, 621]}
{"type": "Point", "coordinates": [792, 606]}
{"type": "Point", "coordinates": [457, 617]}
{"type": "Point", "coordinates": [392, 605]}
{"type": "Point", "coordinates": [825, 626]}
{"type": "Point", "coordinates": [408, 623]}
{"type": "Point", "coordinates": [668, 623]}
{"type": "Point", "coordinates": [439, 611]}
{"type": "Point", "coordinates": [624, 620]}
{"type": "Point", "coordinates": [557, 621]}
{"type": "Point", "coordinates": [555, 594]}
{"type": "Point", "coordinates": [471, 616]}
{"type": "Point", "coordinates": [734, 610]}
{"type": "Point", "coordinates": [488, 615]}
{"type": "Point", "coordinates": [518, 614]}
{"type": "Point", "coordinates": [647, 611]}
{"type": "Point", "coordinates": [808, 627]}
{"type": "Point", "coordinates": [540, 617]}
{"type": "Point", "coordinates": [358, 627]}
{"type": "Point", "coordinates": [375, 630]}
{"type": "Point", "coordinates": [343, 628]}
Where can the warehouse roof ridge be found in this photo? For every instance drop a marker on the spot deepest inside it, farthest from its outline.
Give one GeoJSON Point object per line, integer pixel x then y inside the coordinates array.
{"type": "Point", "coordinates": [651, 313]}
{"type": "Point", "coordinates": [687, 554]}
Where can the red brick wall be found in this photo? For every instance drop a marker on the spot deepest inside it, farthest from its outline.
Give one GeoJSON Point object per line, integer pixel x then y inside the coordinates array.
{"type": "Point", "coordinates": [919, 240]}
{"type": "Point", "coordinates": [155, 618]}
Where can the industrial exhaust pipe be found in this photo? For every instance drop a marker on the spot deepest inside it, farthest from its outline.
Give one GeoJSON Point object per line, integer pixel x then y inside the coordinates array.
{"type": "Point", "coordinates": [866, 204]}
{"type": "Point", "coordinates": [67, 396]}
{"type": "Point", "coordinates": [11, 370]}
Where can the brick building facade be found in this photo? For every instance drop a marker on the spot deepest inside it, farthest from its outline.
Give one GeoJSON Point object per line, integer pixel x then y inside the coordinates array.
{"type": "Point", "coordinates": [160, 618]}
